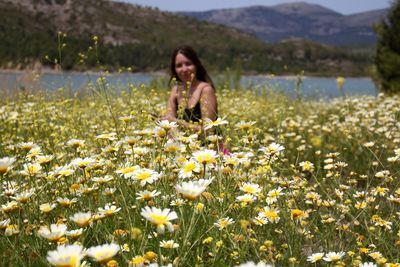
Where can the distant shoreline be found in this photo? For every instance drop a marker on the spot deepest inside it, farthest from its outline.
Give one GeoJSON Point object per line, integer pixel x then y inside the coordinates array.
{"type": "Point", "coordinates": [90, 72]}
{"type": "Point", "coordinates": [165, 73]}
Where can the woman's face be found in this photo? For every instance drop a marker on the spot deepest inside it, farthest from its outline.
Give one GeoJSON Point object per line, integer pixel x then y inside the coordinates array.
{"type": "Point", "coordinates": [184, 68]}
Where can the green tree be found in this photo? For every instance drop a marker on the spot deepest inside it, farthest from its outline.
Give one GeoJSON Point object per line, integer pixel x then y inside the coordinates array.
{"type": "Point", "coordinates": [388, 51]}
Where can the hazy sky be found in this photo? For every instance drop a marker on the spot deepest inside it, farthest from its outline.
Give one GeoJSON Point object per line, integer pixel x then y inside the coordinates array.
{"type": "Point", "coordinates": [341, 6]}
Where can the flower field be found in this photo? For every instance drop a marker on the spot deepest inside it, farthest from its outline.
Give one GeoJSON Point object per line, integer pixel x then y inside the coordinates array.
{"type": "Point", "coordinates": [95, 179]}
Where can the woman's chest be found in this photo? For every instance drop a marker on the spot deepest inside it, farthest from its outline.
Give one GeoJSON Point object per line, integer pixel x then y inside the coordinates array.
{"type": "Point", "coordinates": [189, 99]}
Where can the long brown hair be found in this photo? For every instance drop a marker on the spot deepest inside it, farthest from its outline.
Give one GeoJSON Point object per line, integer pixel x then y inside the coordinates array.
{"type": "Point", "coordinates": [187, 51]}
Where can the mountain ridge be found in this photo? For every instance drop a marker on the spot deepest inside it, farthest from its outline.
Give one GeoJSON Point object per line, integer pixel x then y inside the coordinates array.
{"type": "Point", "coordinates": [300, 20]}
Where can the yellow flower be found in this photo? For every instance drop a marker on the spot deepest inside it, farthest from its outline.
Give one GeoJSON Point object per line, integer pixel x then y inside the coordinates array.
{"type": "Point", "coordinates": [316, 141]}
{"type": "Point", "coordinates": [74, 187]}
{"type": "Point", "coordinates": [112, 263]}
{"type": "Point", "coordinates": [136, 233]}
{"type": "Point", "coordinates": [199, 206]}
{"type": "Point", "coordinates": [150, 255]}
{"type": "Point", "coordinates": [375, 255]}
{"type": "Point", "coordinates": [340, 82]}
{"type": "Point", "coordinates": [297, 214]}
{"type": "Point", "coordinates": [360, 205]}
{"type": "Point", "coordinates": [137, 261]}
{"type": "Point", "coordinates": [207, 240]}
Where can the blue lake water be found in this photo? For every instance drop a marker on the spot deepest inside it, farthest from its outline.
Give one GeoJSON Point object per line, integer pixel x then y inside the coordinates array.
{"type": "Point", "coordinates": [311, 87]}
{"type": "Point", "coordinates": [314, 87]}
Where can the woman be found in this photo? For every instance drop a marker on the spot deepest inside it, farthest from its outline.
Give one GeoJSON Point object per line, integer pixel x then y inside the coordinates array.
{"type": "Point", "coordinates": [192, 99]}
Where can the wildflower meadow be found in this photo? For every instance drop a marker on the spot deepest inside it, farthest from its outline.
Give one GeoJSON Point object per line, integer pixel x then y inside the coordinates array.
{"type": "Point", "coordinates": [98, 178]}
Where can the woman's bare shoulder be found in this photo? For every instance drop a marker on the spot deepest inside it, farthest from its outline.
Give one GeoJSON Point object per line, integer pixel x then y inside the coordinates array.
{"type": "Point", "coordinates": [175, 89]}
{"type": "Point", "coordinates": [206, 88]}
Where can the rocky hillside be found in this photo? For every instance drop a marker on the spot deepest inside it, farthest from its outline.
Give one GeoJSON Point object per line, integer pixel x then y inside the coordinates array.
{"type": "Point", "coordinates": [43, 31]}
{"type": "Point", "coordinates": [300, 20]}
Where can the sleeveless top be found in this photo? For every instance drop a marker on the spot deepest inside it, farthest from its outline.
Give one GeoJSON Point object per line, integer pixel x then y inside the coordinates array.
{"type": "Point", "coordinates": [189, 114]}
{"type": "Point", "coordinates": [192, 114]}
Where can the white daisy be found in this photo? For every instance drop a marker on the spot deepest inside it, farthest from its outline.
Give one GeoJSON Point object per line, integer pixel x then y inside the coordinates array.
{"type": "Point", "coordinates": [54, 233]}
{"type": "Point", "coordinates": [315, 257]}
{"type": "Point", "coordinates": [160, 218]}
{"type": "Point", "coordinates": [103, 253]}
{"type": "Point", "coordinates": [208, 124]}
{"type": "Point", "coordinates": [70, 255]}
{"type": "Point", "coordinates": [170, 244]}
{"type": "Point", "coordinates": [191, 190]}
{"type": "Point", "coordinates": [188, 168]}
{"type": "Point", "coordinates": [333, 256]}
{"type": "Point", "coordinates": [145, 176]}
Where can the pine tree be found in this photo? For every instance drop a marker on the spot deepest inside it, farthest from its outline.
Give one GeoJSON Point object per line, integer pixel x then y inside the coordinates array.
{"type": "Point", "coordinates": [388, 51]}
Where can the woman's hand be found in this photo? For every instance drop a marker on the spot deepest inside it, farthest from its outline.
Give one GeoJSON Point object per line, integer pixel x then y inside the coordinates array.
{"type": "Point", "coordinates": [170, 118]}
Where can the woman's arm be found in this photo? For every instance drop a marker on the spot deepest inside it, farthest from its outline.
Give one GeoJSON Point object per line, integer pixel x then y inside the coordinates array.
{"type": "Point", "coordinates": [208, 103]}
{"type": "Point", "coordinates": [172, 105]}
